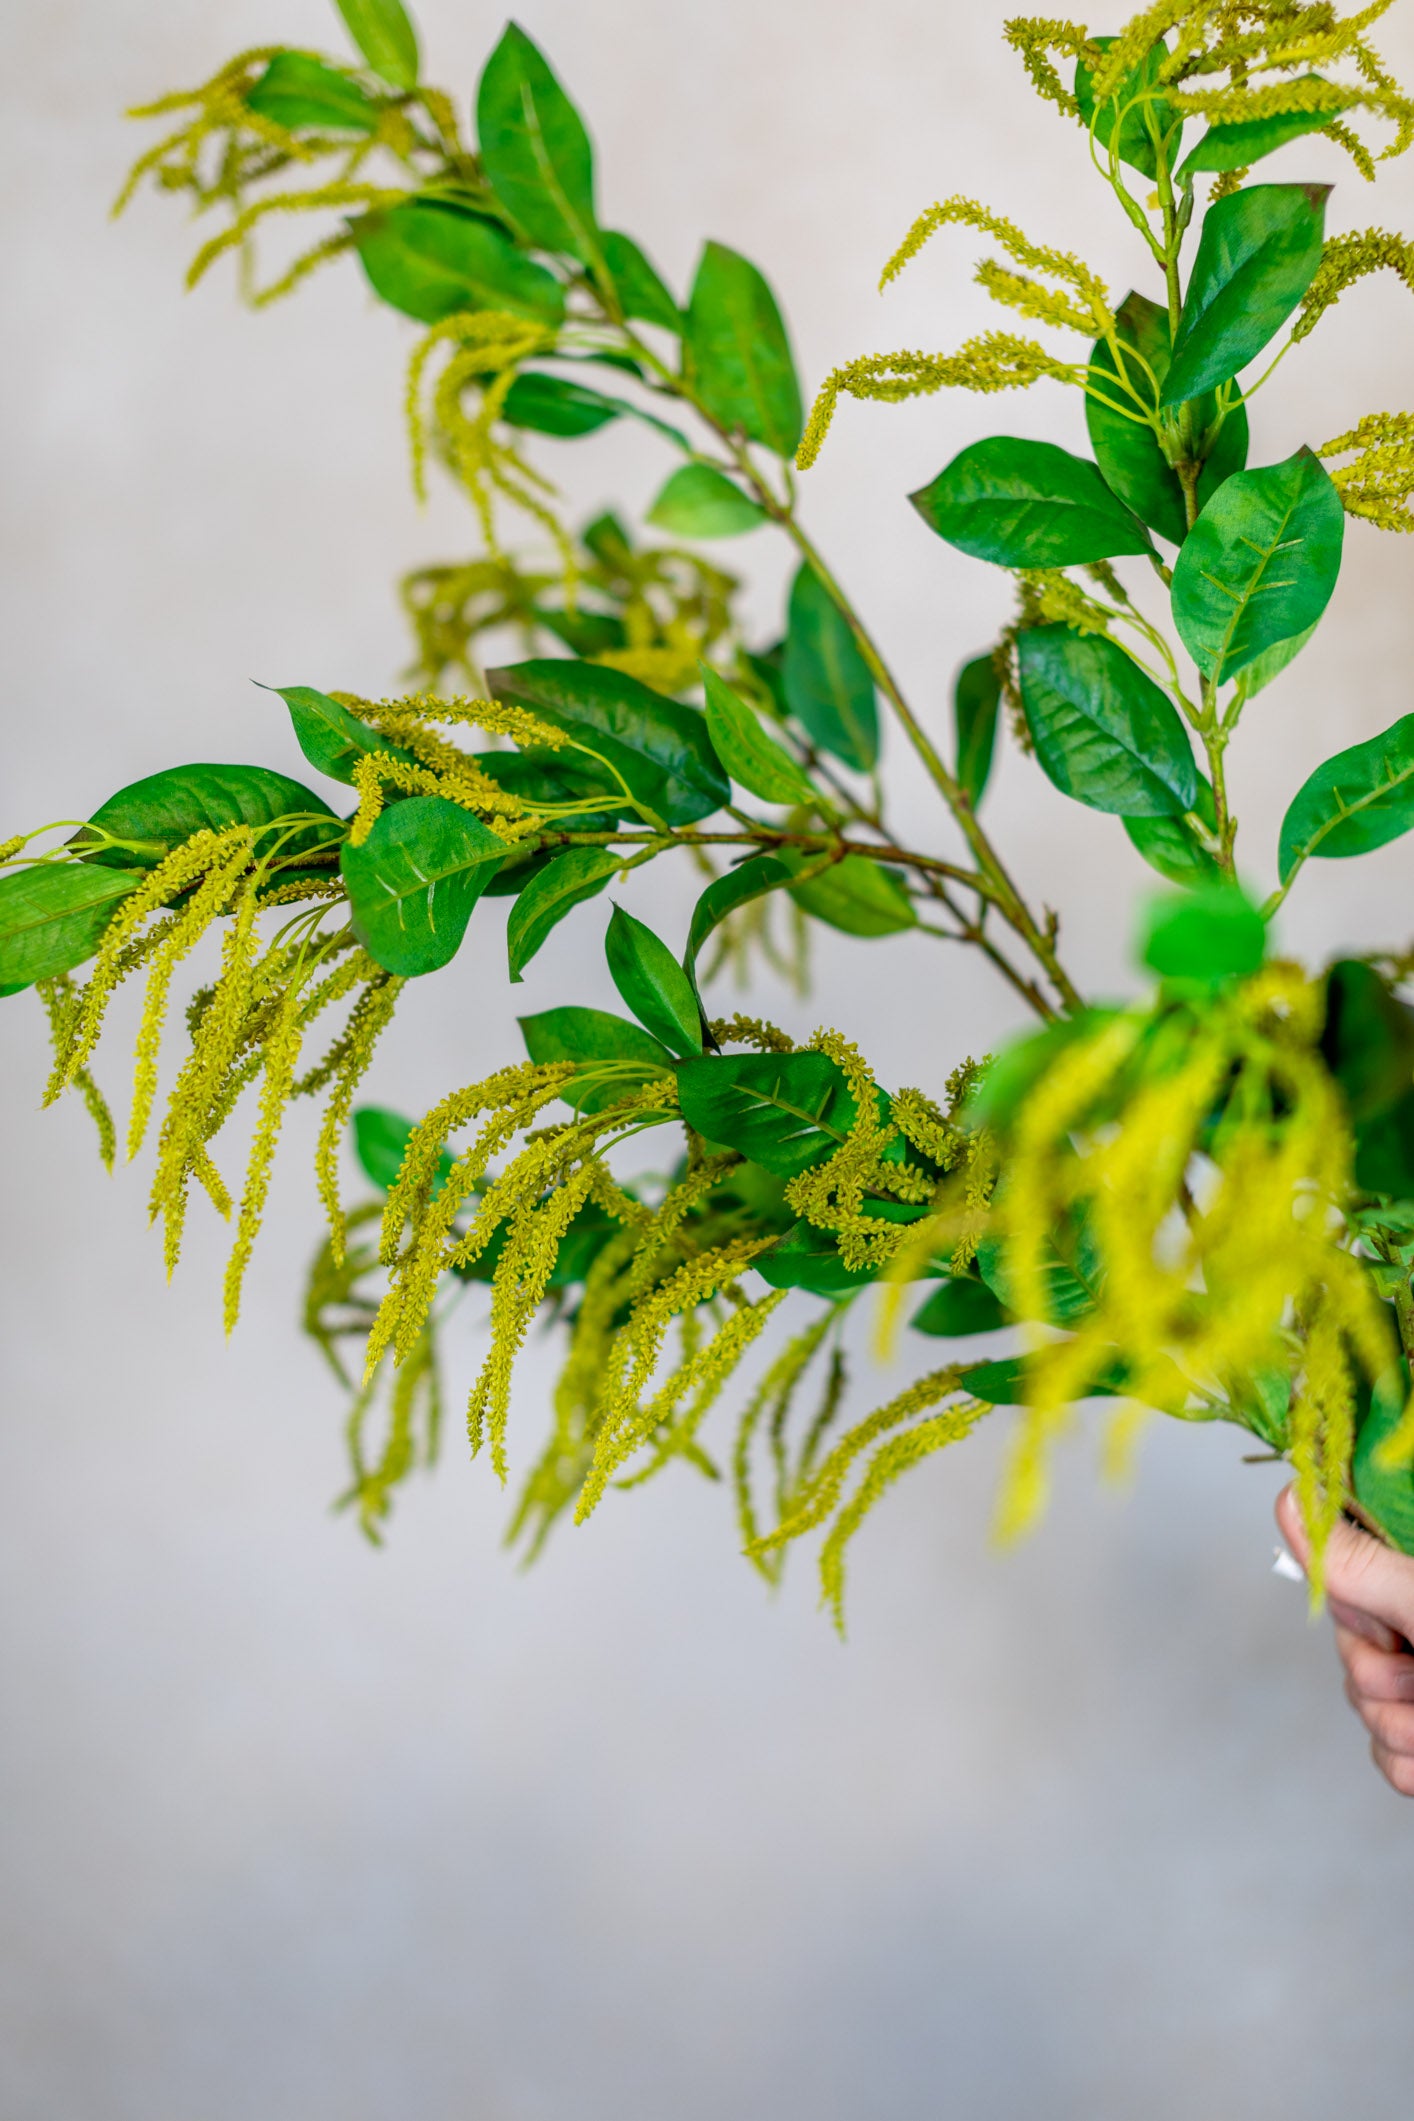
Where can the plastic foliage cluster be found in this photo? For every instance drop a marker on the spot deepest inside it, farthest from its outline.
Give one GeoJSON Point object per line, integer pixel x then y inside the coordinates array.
{"type": "Point", "coordinates": [1200, 1202]}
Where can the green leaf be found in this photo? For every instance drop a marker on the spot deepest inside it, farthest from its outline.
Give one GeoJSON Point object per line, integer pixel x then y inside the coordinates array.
{"type": "Point", "coordinates": [157, 814]}
{"type": "Point", "coordinates": [1009, 1076]}
{"type": "Point", "coordinates": [571, 878]}
{"type": "Point", "coordinates": [807, 1258]}
{"type": "Point", "coordinates": [414, 881]}
{"type": "Point", "coordinates": [549, 779]}
{"type": "Point", "coordinates": [1384, 1151]}
{"type": "Point", "coordinates": [736, 354]}
{"type": "Point", "coordinates": [1172, 847]}
{"type": "Point", "coordinates": [748, 751]}
{"type": "Point", "coordinates": [535, 150]}
{"type": "Point", "coordinates": [1004, 1383]}
{"type": "Point", "coordinates": [1028, 504]}
{"type": "Point", "coordinates": [1246, 140]}
{"type": "Point", "coordinates": [612, 1052]}
{"type": "Point", "coordinates": [384, 34]}
{"type": "Point", "coordinates": [659, 748]}
{"type": "Point", "coordinates": [1071, 1273]}
{"type": "Point", "coordinates": [304, 95]}
{"type": "Point", "coordinates": [653, 984]}
{"type": "Point", "coordinates": [1259, 565]}
{"type": "Point", "coordinates": [550, 405]}
{"type": "Point", "coordinates": [786, 1111]}
{"type": "Point", "coordinates": [1367, 1040]}
{"type": "Point", "coordinates": [638, 286]}
{"type": "Point", "coordinates": [829, 687]}
{"type": "Point", "coordinates": [752, 879]}
{"type": "Point", "coordinates": [1212, 934]}
{"type": "Point", "coordinates": [1357, 801]}
{"type": "Point", "coordinates": [1386, 1493]}
{"type": "Point", "coordinates": [1257, 255]}
{"type": "Point", "coordinates": [1138, 98]}
{"type": "Point", "coordinates": [430, 258]}
{"type": "Point", "coordinates": [380, 1143]}
{"type": "Point", "coordinates": [1128, 453]}
{"type": "Point", "coordinates": [858, 896]}
{"type": "Point", "coordinates": [332, 739]}
{"type": "Point", "coordinates": [960, 1306]}
{"type": "Point", "coordinates": [975, 701]}
{"type": "Point", "coordinates": [1261, 671]}
{"type": "Point", "coordinates": [1103, 731]}
{"type": "Point", "coordinates": [700, 502]}
{"type": "Point", "coordinates": [52, 917]}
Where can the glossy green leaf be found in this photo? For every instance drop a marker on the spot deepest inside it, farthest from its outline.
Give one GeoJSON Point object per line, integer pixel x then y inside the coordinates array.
{"type": "Point", "coordinates": [551, 405]}
{"type": "Point", "coordinates": [1103, 731]}
{"type": "Point", "coordinates": [52, 917]}
{"type": "Point", "coordinates": [1384, 1151]}
{"type": "Point", "coordinates": [642, 295]}
{"type": "Point", "coordinates": [786, 1111]}
{"type": "Point", "coordinates": [384, 34]}
{"type": "Point", "coordinates": [1261, 671]}
{"type": "Point", "coordinates": [1212, 934]}
{"type": "Point", "coordinates": [1028, 504]}
{"type": "Point", "coordinates": [700, 502]}
{"type": "Point", "coordinates": [380, 1143]}
{"type": "Point", "coordinates": [1127, 452]}
{"type": "Point", "coordinates": [1071, 1273]}
{"type": "Point", "coordinates": [1367, 1040]}
{"type": "Point", "coordinates": [750, 754]}
{"type": "Point", "coordinates": [430, 258]}
{"type": "Point", "coordinates": [1260, 564]}
{"type": "Point", "coordinates": [332, 739]}
{"type": "Point", "coordinates": [736, 353]}
{"type": "Point", "coordinates": [857, 896]}
{"type": "Point", "coordinates": [550, 780]}
{"type": "Point", "coordinates": [414, 881]}
{"type": "Point", "coordinates": [809, 1259]}
{"type": "Point", "coordinates": [975, 701]}
{"type": "Point", "coordinates": [659, 748]}
{"type": "Point", "coordinates": [1172, 847]}
{"type": "Point", "coordinates": [652, 983]}
{"type": "Point", "coordinates": [578, 874]}
{"type": "Point", "coordinates": [612, 1053]}
{"type": "Point", "coordinates": [1357, 801]}
{"type": "Point", "coordinates": [535, 150]}
{"type": "Point", "coordinates": [1138, 104]}
{"type": "Point", "coordinates": [750, 880]}
{"type": "Point", "coordinates": [304, 95]}
{"type": "Point", "coordinates": [1257, 255]}
{"type": "Point", "coordinates": [156, 814]}
{"type": "Point", "coordinates": [1385, 1492]}
{"type": "Point", "coordinates": [1009, 1076]}
{"type": "Point", "coordinates": [1004, 1383]}
{"type": "Point", "coordinates": [960, 1306]}
{"type": "Point", "coordinates": [829, 687]}
{"type": "Point", "coordinates": [1248, 140]}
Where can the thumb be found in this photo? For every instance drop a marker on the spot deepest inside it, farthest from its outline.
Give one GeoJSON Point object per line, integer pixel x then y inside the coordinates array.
{"type": "Point", "coordinates": [1362, 1574]}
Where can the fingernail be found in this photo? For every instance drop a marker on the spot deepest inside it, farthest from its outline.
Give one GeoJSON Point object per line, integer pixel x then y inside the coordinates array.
{"type": "Point", "coordinates": [1287, 1565]}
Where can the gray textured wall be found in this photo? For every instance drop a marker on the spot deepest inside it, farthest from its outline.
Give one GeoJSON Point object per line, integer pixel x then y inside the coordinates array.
{"type": "Point", "coordinates": [295, 1830]}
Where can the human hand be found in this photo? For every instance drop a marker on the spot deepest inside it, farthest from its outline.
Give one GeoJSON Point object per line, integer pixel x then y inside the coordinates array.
{"type": "Point", "coordinates": [1370, 1591]}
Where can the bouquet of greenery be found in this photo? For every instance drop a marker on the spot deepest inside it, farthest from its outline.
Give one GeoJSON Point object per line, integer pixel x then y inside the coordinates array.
{"type": "Point", "coordinates": [1200, 1203]}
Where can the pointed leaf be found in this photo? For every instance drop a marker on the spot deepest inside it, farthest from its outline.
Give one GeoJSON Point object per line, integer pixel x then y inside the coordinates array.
{"type": "Point", "coordinates": [1028, 504]}
{"type": "Point", "coordinates": [430, 258]}
{"type": "Point", "coordinates": [751, 880]}
{"type": "Point", "coordinates": [551, 405]}
{"type": "Point", "coordinates": [1257, 255]}
{"type": "Point", "coordinates": [857, 896]}
{"type": "Point", "coordinates": [975, 701]}
{"type": "Point", "coordinates": [960, 1306]}
{"type": "Point", "coordinates": [1128, 452]}
{"type": "Point", "coordinates": [578, 874]}
{"type": "Point", "coordinates": [658, 748]}
{"type": "Point", "coordinates": [737, 355]}
{"type": "Point", "coordinates": [304, 95]}
{"type": "Point", "coordinates": [535, 150]}
{"type": "Point", "coordinates": [1259, 565]}
{"type": "Point", "coordinates": [414, 881]}
{"type": "Point", "coordinates": [1357, 801]}
{"type": "Point", "coordinates": [1172, 847]}
{"type": "Point", "coordinates": [384, 34]}
{"type": "Point", "coordinates": [786, 1111]}
{"type": "Point", "coordinates": [1137, 102]}
{"type": "Point", "coordinates": [613, 1053]}
{"type": "Point", "coordinates": [332, 739]}
{"type": "Point", "coordinates": [1247, 140]}
{"type": "Point", "coordinates": [1103, 731]}
{"type": "Point", "coordinates": [829, 687]}
{"type": "Point", "coordinates": [52, 917]}
{"type": "Point", "coordinates": [701, 502]}
{"type": "Point", "coordinates": [652, 983]}
{"type": "Point", "coordinates": [637, 284]}
{"type": "Point", "coordinates": [157, 814]}
{"type": "Point", "coordinates": [380, 1144]}
{"type": "Point", "coordinates": [749, 753]}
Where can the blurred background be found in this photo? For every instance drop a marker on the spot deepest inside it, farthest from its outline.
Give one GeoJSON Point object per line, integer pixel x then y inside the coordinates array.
{"type": "Point", "coordinates": [298, 1829]}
